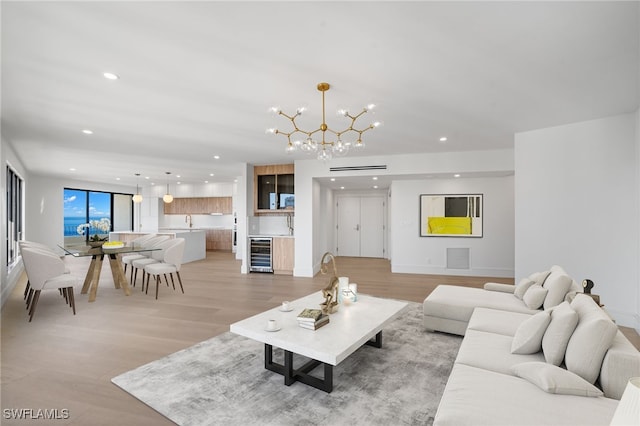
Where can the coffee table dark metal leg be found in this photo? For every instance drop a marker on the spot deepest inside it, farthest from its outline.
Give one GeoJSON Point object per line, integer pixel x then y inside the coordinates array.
{"type": "Point", "coordinates": [292, 375]}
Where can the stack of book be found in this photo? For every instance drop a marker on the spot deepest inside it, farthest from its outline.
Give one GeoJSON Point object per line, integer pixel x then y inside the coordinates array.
{"type": "Point", "coordinates": [312, 319]}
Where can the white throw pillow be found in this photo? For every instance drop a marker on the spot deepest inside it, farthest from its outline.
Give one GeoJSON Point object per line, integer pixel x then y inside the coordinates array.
{"type": "Point", "coordinates": [554, 342]}
{"type": "Point", "coordinates": [522, 287]}
{"type": "Point", "coordinates": [528, 337]}
{"type": "Point", "coordinates": [534, 296]}
{"type": "Point", "coordinates": [558, 285]}
{"type": "Point", "coordinates": [591, 339]}
{"type": "Point", "coordinates": [553, 379]}
{"type": "Point", "coordinates": [539, 277]}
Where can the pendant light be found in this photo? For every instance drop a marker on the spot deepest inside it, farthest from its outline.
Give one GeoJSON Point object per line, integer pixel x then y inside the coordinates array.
{"type": "Point", "coordinates": [138, 197]}
{"type": "Point", "coordinates": [168, 198]}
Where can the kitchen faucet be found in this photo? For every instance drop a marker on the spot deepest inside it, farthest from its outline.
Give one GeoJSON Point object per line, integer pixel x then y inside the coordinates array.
{"type": "Point", "coordinates": [187, 219]}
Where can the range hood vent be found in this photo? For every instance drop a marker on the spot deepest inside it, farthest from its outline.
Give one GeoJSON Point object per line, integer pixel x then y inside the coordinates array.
{"type": "Point", "coordinates": [354, 168]}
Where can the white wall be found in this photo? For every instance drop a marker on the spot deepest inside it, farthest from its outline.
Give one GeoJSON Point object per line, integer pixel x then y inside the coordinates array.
{"type": "Point", "coordinates": [577, 201]}
{"type": "Point", "coordinates": [489, 256]}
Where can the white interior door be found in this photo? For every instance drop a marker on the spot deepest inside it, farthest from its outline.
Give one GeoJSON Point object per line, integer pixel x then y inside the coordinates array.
{"type": "Point", "coordinates": [361, 226]}
{"type": "Point", "coordinates": [372, 227]}
{"type": "Point", "coordinates": [349, 226]}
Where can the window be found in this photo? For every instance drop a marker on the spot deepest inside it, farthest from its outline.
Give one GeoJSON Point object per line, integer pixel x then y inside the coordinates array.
{"type": "Point", "coordinates": [82, 206]}
{"type": "Point", "coordinates": [14, 214]}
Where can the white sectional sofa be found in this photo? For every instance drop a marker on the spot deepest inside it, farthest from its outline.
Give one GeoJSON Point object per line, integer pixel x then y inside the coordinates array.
{"type": "Point", "coordinates": [567, 364]}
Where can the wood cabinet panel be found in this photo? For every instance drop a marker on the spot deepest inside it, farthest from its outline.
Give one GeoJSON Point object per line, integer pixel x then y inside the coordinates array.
{"type": "Point", "coordinates": [283, 255]}
{"type": "Point", "coordinates": [200, 205]}
{"type": "Point", "coordinates": [219, 239]}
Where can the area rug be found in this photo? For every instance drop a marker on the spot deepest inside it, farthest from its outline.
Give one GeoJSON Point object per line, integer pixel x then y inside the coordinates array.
{"type": "Point", "coordinates": [222, 381]}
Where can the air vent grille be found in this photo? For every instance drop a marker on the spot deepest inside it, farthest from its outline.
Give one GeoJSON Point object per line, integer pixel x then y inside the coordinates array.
{"type": "Point", "coordinates": [355, 168]}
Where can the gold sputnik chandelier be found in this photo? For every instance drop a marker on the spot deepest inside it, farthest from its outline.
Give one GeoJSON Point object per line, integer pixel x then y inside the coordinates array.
{"type": "Point", "coordinates": [324, 148]}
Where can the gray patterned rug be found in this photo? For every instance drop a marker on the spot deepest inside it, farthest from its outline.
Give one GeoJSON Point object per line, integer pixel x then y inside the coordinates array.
{"type": "Point", "coordinates": [222, 381]}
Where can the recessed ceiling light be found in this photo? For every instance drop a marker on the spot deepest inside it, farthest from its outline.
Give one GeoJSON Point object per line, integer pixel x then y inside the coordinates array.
{"type": "Point", "coordinates": [217, 157]}
{"type": "Point", "coordinates": [375, 178]}
{"type": "Point", "coordinates": [443, 139]}
{"type": "Point", "coordinates": [456, 175]}
{"type": "Point", "coordinates": [87, 132]}
{"type": "Point", "coordinates": [342, 187]}
{"type": "Point", "coordinates": [333, 179]}
{"type": "Point", "coordinates": [72, 169]}
{"type": "Point", "coordinates": [110, 76]}
{"type": "Point", "coordinates": [375, 186]}
{"type": "Point", "coordinates": [146, 177]}
{"type": "Point", "coordinates": [206, 181]}
{"type": "Point", "coordinates": [211, 174]}
{"type": "Point", "coordinates": [177, 176]}
{"type": "Point", "coordinates": [117, 178]}
{"type": "Point", "coordinates": [178, 182]}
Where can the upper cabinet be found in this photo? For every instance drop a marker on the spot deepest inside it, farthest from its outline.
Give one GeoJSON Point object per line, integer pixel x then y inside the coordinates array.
{"type": "Point", "coordinates": [273, 189]}
{"type": "Point", "coordinates": [200, 205]}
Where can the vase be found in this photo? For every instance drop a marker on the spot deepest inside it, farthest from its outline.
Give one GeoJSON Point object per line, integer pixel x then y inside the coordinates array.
{"type": "Point", "coordinates": [96, 243]}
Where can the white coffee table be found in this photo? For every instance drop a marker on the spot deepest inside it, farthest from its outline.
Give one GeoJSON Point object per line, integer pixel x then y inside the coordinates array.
{"type": "Point", "coordinates": [351, 327]}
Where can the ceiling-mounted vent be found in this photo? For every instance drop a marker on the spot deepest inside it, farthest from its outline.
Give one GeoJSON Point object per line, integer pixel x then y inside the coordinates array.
{"type": "Point", "coordinates": [353, 168]}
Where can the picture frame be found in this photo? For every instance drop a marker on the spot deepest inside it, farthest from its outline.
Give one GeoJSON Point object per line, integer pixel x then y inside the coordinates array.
{"type": "Point", "coordinates": [451, 215]}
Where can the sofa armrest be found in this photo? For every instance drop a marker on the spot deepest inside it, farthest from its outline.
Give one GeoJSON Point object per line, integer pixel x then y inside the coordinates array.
{"type": "Point", "coordinates": [504, 288]}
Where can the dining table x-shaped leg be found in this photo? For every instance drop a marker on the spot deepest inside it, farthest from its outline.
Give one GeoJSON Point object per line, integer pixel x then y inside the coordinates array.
{"type": "Point", "coordinates": [93, 275]}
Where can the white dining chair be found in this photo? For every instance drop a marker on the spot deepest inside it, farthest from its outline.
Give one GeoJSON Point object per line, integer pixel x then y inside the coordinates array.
{"type": "Point", "coordinates": [47, 271]}
{"type": "Point", "coordinates": [148, 244]}
{"type": "Point", "coordinates": [39, 246]}
{"type": "Point", "coordinates": [171, 262]}
{"type": "Point", "coordinates": [154, 257]}
{"type": "Point", "coordinates": [137, 242]}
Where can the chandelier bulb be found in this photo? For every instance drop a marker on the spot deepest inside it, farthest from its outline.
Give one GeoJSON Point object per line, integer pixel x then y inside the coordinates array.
{"type": "Point", "coordinates": [290, 149]}
{"type": "Point", "coordinates": [300, 110]}
{"type": "Point", "coordinates": [370, 107]}
{"type": "Point", "coordinates": [359, 144]}
{"type": "Point", "coordinates": [342, 112]}
{"type": "Point", "coordinates": [324, 155]}
{"type": "Point", "coordinates": [376, 124]}
{"type": "Point", "coordinates": [271, 131]}
{"type": "Point", "coordinates": [275, 110]}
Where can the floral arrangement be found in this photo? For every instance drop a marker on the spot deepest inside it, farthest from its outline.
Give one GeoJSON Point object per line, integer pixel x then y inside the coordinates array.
{"type": "Point", "coordinates": [103, 225]}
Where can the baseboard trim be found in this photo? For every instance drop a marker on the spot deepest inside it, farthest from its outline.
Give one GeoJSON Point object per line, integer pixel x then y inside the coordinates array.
{"type": "Point", "coordinates": [441, 270]}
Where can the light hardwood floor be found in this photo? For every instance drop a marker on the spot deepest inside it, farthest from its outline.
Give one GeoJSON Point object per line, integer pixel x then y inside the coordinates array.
{"type": "Point", "coordinates": [60, 361]}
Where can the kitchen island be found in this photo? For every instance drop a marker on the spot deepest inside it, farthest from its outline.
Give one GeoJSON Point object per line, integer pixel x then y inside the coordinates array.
{"type": "Point", "coordinates": [195, 240]}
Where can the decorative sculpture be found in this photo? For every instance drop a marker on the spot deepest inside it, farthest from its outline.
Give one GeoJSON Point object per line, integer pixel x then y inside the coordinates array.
{"type": "Point", "coordinates": [330, 292]}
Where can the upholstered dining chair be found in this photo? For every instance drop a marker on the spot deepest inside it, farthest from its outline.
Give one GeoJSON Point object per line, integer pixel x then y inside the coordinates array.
{"type": "Point", "coordinates": [150, 243]}
{"type": "Point", "coordinates": [137, 242]}
{"type": "Point", "coordinates": [154, 257]}
{"type": "Point", "coordinates": [171, 262]}
{"type": "Point", "coordinates": [39, 246]}
{"type": "Point", "coordinates": [47, 271]}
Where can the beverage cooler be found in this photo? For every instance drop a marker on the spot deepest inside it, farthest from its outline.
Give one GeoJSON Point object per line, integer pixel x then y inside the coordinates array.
{"type": "Point", "coordinates": [260, 254]}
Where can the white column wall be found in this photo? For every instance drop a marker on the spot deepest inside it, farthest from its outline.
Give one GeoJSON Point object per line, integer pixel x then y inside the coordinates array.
{"type": "Point", "coordinates": [577, 205]}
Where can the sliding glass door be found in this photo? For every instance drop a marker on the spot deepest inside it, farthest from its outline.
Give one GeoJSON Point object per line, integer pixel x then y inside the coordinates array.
{"type": "Point", "coordinates": [93, 214]}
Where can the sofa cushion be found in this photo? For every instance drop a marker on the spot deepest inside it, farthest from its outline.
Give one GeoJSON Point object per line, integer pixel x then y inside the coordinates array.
{"type": "Point", "coordinates": [534, 296]}
{"type": "Point", "coordinates": [458, 303]}
{"type": "Point", "coordinates": [522, 287]}
{"type": "Point", "coordinates": [491, 352]}
{"type": "Point", "coordinates": [528, 337]}
{"type": "Point", "coordinates": [553, 379]}
{"type": "Point", "coordinates": [497, 321]}
{"type": "Point", "coordinates": [474, 396]}
{"type": "Point", "coordinates": [590, 340]}
{"type": "Point", "coordinates": [554, 342]}
{"type": "Point", "coordinates": [558, 285]}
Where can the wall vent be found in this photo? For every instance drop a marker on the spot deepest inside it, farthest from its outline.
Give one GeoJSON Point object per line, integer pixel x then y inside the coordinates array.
{"type": "Point", "coordinates": [457, 258]}
{"type": "Point", "coordinates": [355, 168]}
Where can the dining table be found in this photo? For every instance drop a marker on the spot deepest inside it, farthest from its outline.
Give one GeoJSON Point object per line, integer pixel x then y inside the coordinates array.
{"type": "Point", "coordinates": [98, 254]}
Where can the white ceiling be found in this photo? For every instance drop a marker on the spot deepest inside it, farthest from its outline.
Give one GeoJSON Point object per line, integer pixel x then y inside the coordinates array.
{"type": "Point", "coordinates": [197, 78]}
